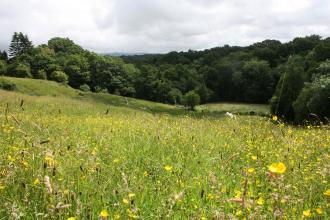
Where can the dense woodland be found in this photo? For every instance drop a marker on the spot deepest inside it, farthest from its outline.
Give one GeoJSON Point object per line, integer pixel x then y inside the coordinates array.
{"type": "Point", "coordinates": [294, 77]}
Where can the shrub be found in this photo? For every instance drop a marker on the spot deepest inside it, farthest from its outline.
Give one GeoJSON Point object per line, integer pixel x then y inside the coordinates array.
{"type": "Point", "coordinates": [85, 88]}
{"type": "Point", "coordinates": [6, 85]}
{"type": "Point", "coordinates": [99, 89]}
{"type": "Point", "coordinates": [128, 91]}
{"type": "Point", "coordinates": [59, 76]}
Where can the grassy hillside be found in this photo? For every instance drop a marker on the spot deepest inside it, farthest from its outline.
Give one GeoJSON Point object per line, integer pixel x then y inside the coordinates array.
{"type": "Point", "coordinates": [50, 88]}
{"type": "Point", "coordinates": [65, 156]}
{"type": "Point", "coordinates": [40, 87]}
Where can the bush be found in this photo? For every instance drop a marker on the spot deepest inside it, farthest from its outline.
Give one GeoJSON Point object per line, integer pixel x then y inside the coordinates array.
{"type": "Point", "coordinates": [191, 99]}
{"type": "Point", "coordinates": [59, 76]}
{"type": "Point", "coordinates": [6, 85]}
{"type": "Point", "coordinates": [128, 91]}
{"type": "Point", "coordinates": [41, 74]}
{"type": "Point", "coordinates": [85, 88]}
{"type": "Point", "coordinates": [99, 89]}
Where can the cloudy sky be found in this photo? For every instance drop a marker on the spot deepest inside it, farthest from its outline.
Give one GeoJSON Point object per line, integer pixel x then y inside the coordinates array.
{"type": "Point", "coordinates": [162, 25]}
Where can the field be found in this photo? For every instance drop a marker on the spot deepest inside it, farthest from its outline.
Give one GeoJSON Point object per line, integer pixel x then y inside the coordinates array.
{"type": "Point", "coordinates": [65, 154]}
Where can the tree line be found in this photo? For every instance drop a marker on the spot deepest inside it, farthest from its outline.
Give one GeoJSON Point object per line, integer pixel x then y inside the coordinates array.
{"type": "Point", "coordinates": [294, 77]}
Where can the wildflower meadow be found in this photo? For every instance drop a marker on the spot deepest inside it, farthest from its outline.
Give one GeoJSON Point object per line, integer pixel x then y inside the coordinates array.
{"type": "Point", "coordinates": [70, 158]}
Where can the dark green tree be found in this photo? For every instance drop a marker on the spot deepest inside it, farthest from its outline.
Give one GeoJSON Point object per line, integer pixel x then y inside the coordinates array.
{"type": "Point", "coordinates": [64, 46]}
{"type": "Point", "coordinates": [175, 96]}
{"type": "Point", "coordinates": [288, 88]}
{"type": "Point", "coordinates": [204, 93]}
{"type": "Point", "coordinates": [20, 44]}
{"type": "Point", "coordinates": [191, 99]}
{"type": "Point", "coordinates": [3, 55]}
{"type": "Point", "coordinates": [257, 81]}
{"type": "Point", "coordinates": [313, 102]}
{"type": "Point", "coordinates": [43, 58]}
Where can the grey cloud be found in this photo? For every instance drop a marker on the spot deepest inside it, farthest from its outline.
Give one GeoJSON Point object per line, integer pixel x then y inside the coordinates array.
{"type": "Point", "coordinates": [162, 25]}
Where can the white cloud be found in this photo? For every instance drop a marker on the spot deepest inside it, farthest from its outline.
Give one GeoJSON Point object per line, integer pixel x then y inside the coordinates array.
{"type": "Point", "coordinates": [162, 25]}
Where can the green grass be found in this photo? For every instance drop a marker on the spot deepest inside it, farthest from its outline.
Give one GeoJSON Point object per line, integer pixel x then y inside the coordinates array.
{"type": "Point", "coordinates": [40, 87]}
{"type": "Point", "coordinates": [49, 88]}
{"type": "Point", "coordinates": [237, 108]}
{"type": "Point", "coordinates": [152, 161]}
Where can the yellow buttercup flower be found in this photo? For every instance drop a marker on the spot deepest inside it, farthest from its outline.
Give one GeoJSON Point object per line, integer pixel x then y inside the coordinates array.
{"type": "Point", "coordinates": [239, 213]}
{"type": "Point", "coordinates": [274, 118]}
{"type": "Point", "coordinates": [327, 192]}
{"type": "Point", "coordinates": [278, 168]}
{"type": "Point", "coordinates": [319, 211]}
{"type": "Point", "coordinates": [260, 201]}
{"type": "Point", "coordinates": [307, 213]}
{"type": "Point", "coordinates": [168, 168]}
{"type": "Point", "coordinates": [25, 164]}
{"type": "Point", "coordinates": [131, 195]}
{"type": "Point", "coordinates": [125, 201]}
{"type": "Point", "coordinates": [104, 213]}
{"type": "Point", "coordinates": [36, 182]}
{"type": "Point", "coordinates": [130, 214]}
{"type": "Point", "coordinates": [254, 157]}
{"type": "Point", "coordinates": [49, 160]}
{"type": "Point", "coordinates": [251, 170]}
{"type": "Point", "coordinates": [72, 218]}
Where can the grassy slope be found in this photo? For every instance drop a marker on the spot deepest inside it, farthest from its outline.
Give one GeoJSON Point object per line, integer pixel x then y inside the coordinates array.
{"type": "Point", "coordinates": [117, 161]}
{"type": "Point", "coordinates": [50, 88]}
{"type": "Point", "coordinates": [41, 87]}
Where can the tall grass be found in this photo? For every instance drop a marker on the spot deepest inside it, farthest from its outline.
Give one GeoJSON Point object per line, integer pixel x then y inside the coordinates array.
{"type": "Point", "coordinates": [63, 157]}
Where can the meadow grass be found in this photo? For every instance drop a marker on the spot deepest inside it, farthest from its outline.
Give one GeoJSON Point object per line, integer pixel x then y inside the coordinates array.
{"type": "Point", "coordinates": [96, 156]}
{"type": "Point", "coordinates": [237, 108]}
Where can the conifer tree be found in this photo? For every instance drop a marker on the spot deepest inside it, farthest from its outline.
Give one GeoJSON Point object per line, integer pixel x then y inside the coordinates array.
{"type": "Point", "coordinates": [19, 45]}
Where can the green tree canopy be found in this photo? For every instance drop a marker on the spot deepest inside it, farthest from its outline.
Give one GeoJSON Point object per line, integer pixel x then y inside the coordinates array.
{"type": "Point", "coordinates": [191, 99]}
{"type": "Point", "coordinates": [288, 88]}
